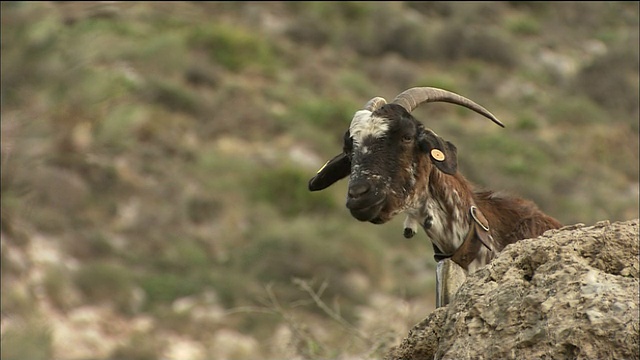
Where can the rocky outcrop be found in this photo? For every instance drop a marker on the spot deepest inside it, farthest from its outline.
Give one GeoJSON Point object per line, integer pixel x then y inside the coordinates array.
{"type": "Point", "coordinates": [569, 294]}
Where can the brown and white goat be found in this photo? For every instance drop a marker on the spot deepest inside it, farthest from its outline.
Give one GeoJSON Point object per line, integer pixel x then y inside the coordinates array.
{"type": "Point", "coordinates": [395, 164]}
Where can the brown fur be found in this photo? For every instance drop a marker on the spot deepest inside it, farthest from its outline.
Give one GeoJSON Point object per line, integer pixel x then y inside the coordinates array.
{"type": "Point", "coordinates": [510, 218]}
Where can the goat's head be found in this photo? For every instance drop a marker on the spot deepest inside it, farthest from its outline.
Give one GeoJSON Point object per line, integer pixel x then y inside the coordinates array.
{"type": "Point", "coordinates": [388, 154]}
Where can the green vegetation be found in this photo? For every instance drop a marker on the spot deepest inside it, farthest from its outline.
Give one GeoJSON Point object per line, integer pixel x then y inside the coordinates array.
{"type": "Point", "coordinates": [31, 340]}
{"type": "Point", "coordinates": [234, 48]}
{"type": "Point", "coordinates": [104, 282]}
{"type": "Point", "coordinates": [164, 150]}
{"type": "Point", "coordinates": [285, 189]}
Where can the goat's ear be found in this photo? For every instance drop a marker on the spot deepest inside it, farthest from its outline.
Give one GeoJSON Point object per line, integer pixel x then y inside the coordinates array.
{"type": "Point", "coordinates": [334, 170]}
{"type": "Point", "coordinates": [443, 154]}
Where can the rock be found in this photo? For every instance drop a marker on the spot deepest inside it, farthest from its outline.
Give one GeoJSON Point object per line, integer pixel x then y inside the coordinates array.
{"type": "Point", "coordinates": [569, 294]}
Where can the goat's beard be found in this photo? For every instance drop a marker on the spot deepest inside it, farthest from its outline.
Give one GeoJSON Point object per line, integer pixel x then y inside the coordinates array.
{"type": "Point", "coordinates": [378, 220]}
{"type": "Point", "coordinates": [366, 209]}
{"type": "Point", "coordinates": [369, 213]}
{"type": "Point", "coordinates": [385, 215]}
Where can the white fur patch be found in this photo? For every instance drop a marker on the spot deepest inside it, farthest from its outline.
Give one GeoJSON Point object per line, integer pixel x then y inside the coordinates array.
{"type": "Point", "coordinates": [438, 232]}
{"type": "Point", "coordinates": [364, 125]}
{"type": "Point", "coordinates": [411, 223]}
{"type": "Point", "coordinates": [447, 239]}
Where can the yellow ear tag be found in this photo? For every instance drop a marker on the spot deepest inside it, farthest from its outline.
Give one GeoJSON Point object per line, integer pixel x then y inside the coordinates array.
{"type": "Point", "coordinates": [437, 154]}
{"type": "Point", "coordinates": [323, 166]}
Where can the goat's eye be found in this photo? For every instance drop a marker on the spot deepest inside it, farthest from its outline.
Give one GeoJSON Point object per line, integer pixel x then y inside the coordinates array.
{"type": "Point", "coordinates": [407, 139]}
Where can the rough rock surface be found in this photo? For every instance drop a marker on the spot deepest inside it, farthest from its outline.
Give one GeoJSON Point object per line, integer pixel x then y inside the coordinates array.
{"type": "Point", "coordinates": [569, 294]}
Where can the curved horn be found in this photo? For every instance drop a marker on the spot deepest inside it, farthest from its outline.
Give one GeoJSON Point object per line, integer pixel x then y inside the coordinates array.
{"type": "Point", "coordinates": [412, 98]}
{"type": "Point", "coordinates": [375, 103]}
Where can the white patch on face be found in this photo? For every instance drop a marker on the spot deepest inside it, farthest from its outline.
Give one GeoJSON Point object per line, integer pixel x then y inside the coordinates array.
{"type": "Point", "coordinates": [364, 125]}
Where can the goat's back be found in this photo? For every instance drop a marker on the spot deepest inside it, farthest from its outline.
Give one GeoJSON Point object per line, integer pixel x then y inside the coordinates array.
{"type": "Point", "coordinates": [513, 218]}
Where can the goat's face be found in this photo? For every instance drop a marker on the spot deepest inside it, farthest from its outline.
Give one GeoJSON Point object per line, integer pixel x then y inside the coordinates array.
{"type": "Point", "coordinates": [388, 156]}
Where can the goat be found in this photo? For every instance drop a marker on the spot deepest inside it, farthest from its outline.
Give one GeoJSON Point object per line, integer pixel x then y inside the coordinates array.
{"type": "Point", "coordinates": [395, 164]}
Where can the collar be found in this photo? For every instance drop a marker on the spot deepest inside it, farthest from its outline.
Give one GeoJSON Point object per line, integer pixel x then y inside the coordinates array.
{"type": "Point", "coordinates": [479, 234]}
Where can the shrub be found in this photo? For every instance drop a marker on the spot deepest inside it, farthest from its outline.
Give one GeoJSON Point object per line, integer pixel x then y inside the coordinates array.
{"type": "Point", "coordinates": [30, 341]}
{"type": "Point", "coordinates": [233, 47]}
{"type": "Point", "coordinates": [324, 112]}
{"type": "Point", "coordinates": [173, 96]}
{"type": "Point", "coordinates": [163, 287]}
{"type": "Point", "coordinates": [524, 25]}
{"type": "Point", "coordinates": [285, 188]}
{"type": "Point", "coordinates": [457, 42]}
{"type": "Point", "coordinates": [575, 111]}
{"type": "Point", "coordinates": [57, 285]}
{"type": "Point", "coordinates": [201, 210]}
{"type": "Point", "coordinates": [141, 346]}
{"type": "Point", "coordinates": [612, 82]}
{"type": "Point", "coordinates": [105, 282]}
{"type": "Point", "coordinates": [310, 250]}
{"type": "Point", "coordinates": [182, 256]}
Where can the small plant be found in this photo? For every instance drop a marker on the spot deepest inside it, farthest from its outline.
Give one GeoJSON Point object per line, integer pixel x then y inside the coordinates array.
{"type": "Point", "coordinates": [105, 282]}
{"type": "Point", "coordinates": [173, 96]}
{"type": "Point", "coordinates": [524, 25]}
{"type": "Point", "coordinates": [141, 346]}
{"type": "Point", "coordinates": [56, 285]}
{"type": "Point", "coordinates": [457, 42]}
{"type": "Point", "coordinates": [575, 111]}
{"type": "Point", "coordinates": [611, 81]}
{"type": "Point", "coordinates": [285, 188]}
{"type": "Point", "coordinates": [233, 47]}
{"type": "Point", "coordinates": [163, 288]}
{"type": "Point", "coordinates": [324, 112]}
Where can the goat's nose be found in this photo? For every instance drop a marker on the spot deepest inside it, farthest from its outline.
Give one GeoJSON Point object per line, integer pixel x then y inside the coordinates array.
{"type": "Point", "coordinates": [358, 189]}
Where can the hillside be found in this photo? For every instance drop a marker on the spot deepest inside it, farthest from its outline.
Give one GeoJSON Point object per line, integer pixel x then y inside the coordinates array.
{"type": "Point", "coordinates": [155, 159]}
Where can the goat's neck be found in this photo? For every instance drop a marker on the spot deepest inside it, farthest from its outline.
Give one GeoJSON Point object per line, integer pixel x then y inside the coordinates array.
{"type": "Point", "coordinates": [442, 208]}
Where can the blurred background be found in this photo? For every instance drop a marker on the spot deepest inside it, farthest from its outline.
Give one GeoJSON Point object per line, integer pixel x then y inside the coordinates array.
{"type": "Point", "coordinates": [155, 159]}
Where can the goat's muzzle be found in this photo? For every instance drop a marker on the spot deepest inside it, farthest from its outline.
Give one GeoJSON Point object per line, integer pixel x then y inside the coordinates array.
{"type": "Point", "coordinates": [365, 202]}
